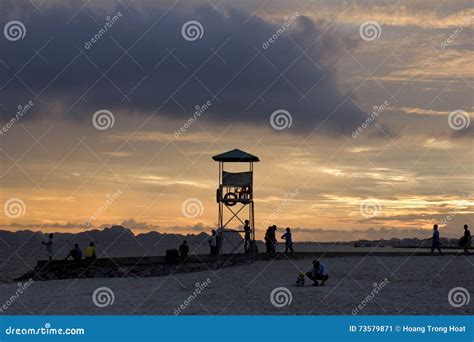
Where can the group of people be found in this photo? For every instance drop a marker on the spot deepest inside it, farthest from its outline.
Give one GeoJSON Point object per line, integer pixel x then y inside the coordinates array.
{"type": "Point", "coordinates": [271, 241]}
{"type": "Point", "coordinates": [75, 253]}
{"type": "Point", "coordinates": [464, 241]}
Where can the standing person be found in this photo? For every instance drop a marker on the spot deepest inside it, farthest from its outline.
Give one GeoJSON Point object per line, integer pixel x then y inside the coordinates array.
{"type": "Point", "coordinates": [318, 273]}
{"type": "Point", "coordinates": [247, 236]}
{"type": "Point", "coordinates": [90, 252]}
{"type": "Point", "coordinates": [49, 246]}
{"type": "Point", "coordinates": [213, 242]}
{"type": "Point", "coordinates": [288, 240]}
{"type": "Point", "coordinates": [184, 250]}
{"type": "Point", "coordinates": [268, 240]}
{"type": "Point", "coordinates": [466, 239]}
{"type": "Point", "coordinates": [273, 238]}
{"type": "Point", "coordinates": [75, 253]}
{"type": "Point", "coordinates": [436, 244]}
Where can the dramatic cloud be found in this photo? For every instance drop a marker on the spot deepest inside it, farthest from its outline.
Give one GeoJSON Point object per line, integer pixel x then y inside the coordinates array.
{"type": "Point", "coordinates": [142, 64]}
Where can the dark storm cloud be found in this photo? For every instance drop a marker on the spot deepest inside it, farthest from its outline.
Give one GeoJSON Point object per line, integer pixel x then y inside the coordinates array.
{"type": "Point", "coordinates": [227, 66]}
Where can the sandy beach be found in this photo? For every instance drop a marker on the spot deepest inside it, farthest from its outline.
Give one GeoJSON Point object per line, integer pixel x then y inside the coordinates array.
{"type": "Point", "coordinates": [412, 286]}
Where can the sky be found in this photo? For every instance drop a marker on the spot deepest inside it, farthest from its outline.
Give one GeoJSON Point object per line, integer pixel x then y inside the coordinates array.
{"type": "Point", "coordinates": [360, 113]}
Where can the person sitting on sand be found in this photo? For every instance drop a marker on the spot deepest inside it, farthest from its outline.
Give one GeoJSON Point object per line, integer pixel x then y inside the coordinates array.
{"type": "Point", "coordinates": [288, 240]}
{"type": "Point", "coordinates": [75, 253]}
{"type": "Point", "coordinates": [436, 244]}
{"type": "Point", "coordinates": [466, 239]}
{"type": "Point", "coordinates": [247, 236]}
{"type": "Point", "coordinates": [49, 246]}
{"type": "Point", "coordinates": [90, 252]}
{"type": "Point", "coordinates": [213, 242]}
{"type": "Point", "coordinates": [318, 273]}
{"type": "Point", "coordinates": [184, 250]}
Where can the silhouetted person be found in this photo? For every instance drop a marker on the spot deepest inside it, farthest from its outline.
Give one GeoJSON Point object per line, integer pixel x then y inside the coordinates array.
{"type": "Point", "coordinates": [273, 238]}
{"type": "Point", "coordinates": [247, 236]}
{"type": "Point", "coordinates": [288, 240]}
{"type": "Point", "coordinates": [435, 244]}
{"type": "Point", "coordinates": [90, 253]}
{"type": "Point", "coordinates": [213, 242]}
{"type": "Point", "coordinates": [466, 239]}
{"type": "Point", "coordinates": [75, 253]}
{"type": "Point", "coordinates": [318, 273]}
{"type": "Point", "coordinates": [268, 240]}
{"type": "Point", "coordinates": [49, 246]}
{"type": "Point", "coordinates": [184, 250]}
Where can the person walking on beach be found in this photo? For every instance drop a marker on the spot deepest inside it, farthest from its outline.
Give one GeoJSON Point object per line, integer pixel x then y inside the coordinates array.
{"type": "Point", "coordinates": [75, 253]}
{"type": "Point", "coordinates": [466, 239]}
{"type": "Point", "coordinates": [318, 273]}
{"type": "Point", "coordinates": [183, 250]}
{"type": "Point", "coordinates": [435, 243]}
{"type": "Point", "coordinates": [288, 240]}
{"type": "Point", "coordinates": [49, 246]}
{"type": "Point", "coordinates": [90, 252]}
{"type": "Point", "coordinates": [213, 242]}
{"type": "Point", "coordinates": [247, 236]}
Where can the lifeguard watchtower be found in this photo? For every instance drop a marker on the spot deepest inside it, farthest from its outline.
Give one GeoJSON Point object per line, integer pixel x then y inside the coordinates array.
{"type": "Point", "coordinates": [235, 199]}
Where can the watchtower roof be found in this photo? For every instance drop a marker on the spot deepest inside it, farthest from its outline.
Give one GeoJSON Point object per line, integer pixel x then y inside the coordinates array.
{"type": "Point", "coordinates": [236, 156]}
